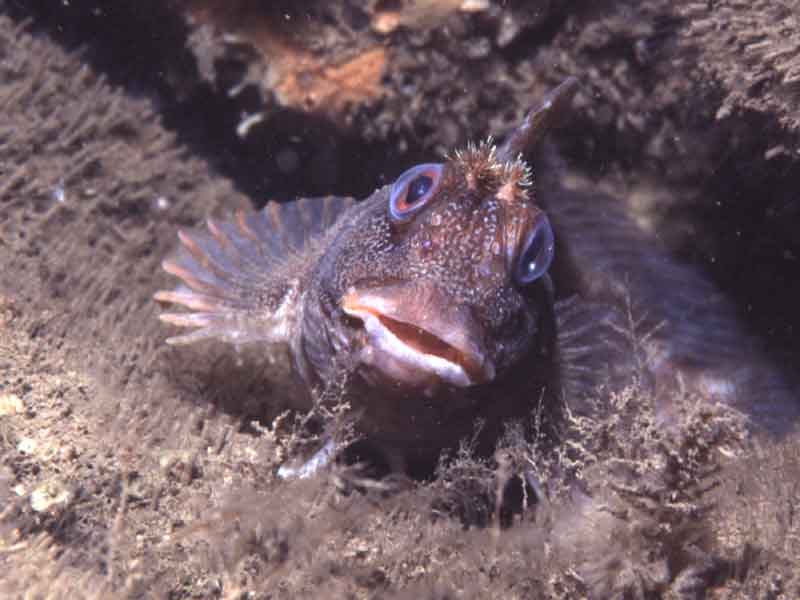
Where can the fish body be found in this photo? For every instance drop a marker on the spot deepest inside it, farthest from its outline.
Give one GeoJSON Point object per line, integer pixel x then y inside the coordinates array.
{"type": "Point", "coordinates": [426, 297]}
{"type": "Point", "coordinates": [432, 300]}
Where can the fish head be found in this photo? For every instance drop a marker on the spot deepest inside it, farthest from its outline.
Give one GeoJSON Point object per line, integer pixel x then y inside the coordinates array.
{"type": "Point", "coordinates": [443, 278]}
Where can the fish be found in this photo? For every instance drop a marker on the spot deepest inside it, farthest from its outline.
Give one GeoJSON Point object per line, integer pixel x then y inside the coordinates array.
{"type": "Point", "coordinates": [459, 298]}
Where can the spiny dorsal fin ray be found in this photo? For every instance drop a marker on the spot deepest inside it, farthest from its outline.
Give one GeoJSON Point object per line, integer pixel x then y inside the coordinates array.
{"type": "Point", "coordinates": [242, 276]}
{"type": "Point", "coordinates": [539, 120]}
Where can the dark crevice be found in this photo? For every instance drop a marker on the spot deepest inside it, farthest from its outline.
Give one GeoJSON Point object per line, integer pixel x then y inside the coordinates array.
{"type": "Point", "coordinates": [532, 37]}
{"type": "Point", "coordinates": [142, 47]}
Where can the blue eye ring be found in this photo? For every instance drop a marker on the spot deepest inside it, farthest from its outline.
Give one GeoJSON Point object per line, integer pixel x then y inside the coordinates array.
{"type": "Point", "coordinates": [537, 252]}
{"type": "Point", "coordinates": [413, 190]}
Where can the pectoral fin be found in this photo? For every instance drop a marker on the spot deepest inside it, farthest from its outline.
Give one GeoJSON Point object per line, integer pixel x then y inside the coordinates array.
{"type": "Point", "coordinates": [242, 278]}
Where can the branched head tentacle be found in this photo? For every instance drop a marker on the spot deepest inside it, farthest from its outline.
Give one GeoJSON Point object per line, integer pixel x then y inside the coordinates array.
{"type": "Point", "coordinates": [483, 168]}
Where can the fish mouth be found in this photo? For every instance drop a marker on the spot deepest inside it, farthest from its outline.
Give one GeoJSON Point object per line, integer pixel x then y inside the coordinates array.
{"type": "Point", "coordinates": [414, 345]}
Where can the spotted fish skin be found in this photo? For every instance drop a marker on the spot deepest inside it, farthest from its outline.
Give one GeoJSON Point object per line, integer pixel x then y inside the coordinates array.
{"type": "Point", "coordinates": [440, 300]}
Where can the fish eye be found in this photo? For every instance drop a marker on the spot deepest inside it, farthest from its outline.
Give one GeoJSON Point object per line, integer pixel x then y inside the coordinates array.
{"type": "Point", "coordinates": [537, 253]}
{"type": "Point", "coordinates": [413, 190]}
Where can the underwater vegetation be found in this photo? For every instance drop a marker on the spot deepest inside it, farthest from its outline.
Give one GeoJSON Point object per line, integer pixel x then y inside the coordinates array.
{"type": "Point", "coordinates": [133, 469]}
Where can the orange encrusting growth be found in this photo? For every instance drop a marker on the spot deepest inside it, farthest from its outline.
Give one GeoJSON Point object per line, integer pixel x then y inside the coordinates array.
{"type": "Point", "coordinates": [300, 79]}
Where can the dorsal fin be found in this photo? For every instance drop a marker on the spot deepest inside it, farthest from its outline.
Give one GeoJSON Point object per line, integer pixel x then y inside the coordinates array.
{"type": "Point", "coordinates": [242, 276]}
{"type": "Point", "coordinates": [686, 328]}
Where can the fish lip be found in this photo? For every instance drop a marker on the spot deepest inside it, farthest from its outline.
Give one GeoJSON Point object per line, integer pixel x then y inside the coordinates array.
{"type": "Point", "coordinates": [459, 363]}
